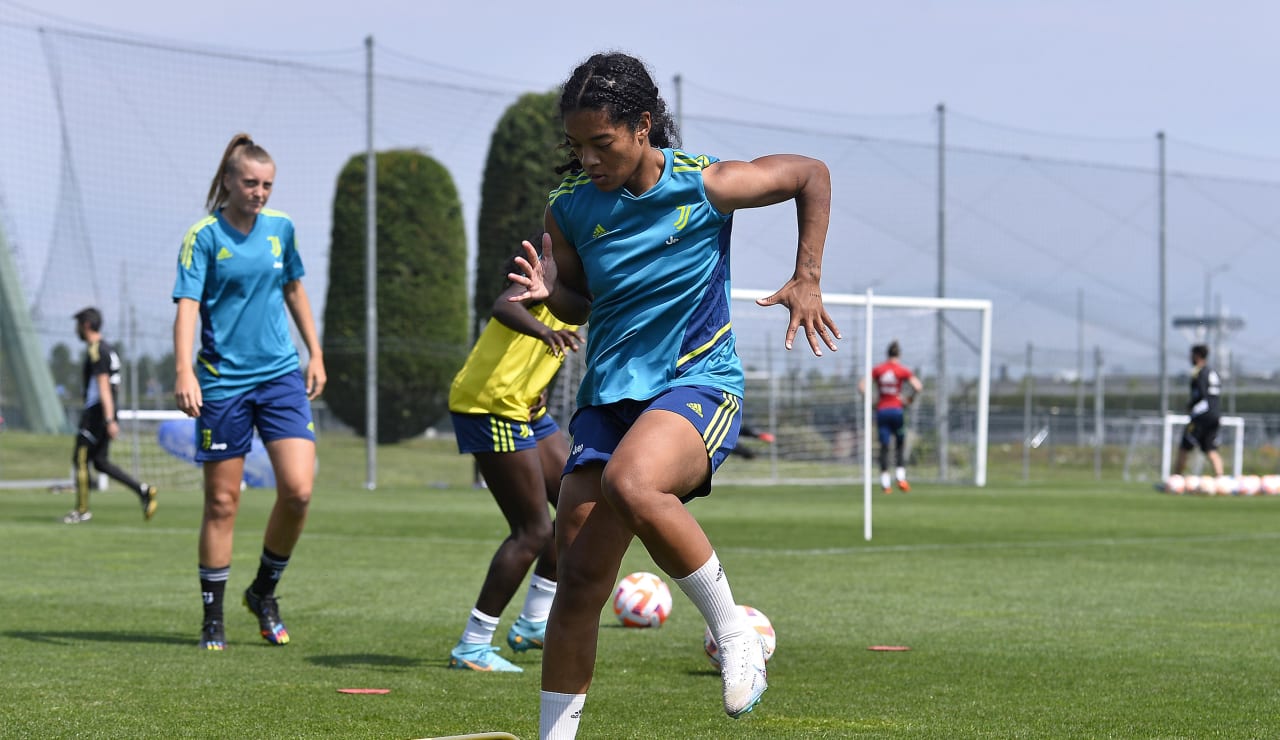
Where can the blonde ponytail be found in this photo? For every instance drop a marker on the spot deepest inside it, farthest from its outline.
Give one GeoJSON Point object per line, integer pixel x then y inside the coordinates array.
{"type": "Point", "coordinates": [241, 145]}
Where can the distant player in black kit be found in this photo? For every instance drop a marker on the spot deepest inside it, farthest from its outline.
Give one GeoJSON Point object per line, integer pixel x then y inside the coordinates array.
{"type": "Point", "coordinates": [1205, 409]}
{"type": "Point", "coordinates": [98, 425]}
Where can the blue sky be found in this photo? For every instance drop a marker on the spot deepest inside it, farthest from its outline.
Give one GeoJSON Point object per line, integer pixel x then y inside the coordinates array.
{"type": "Point", "coordinates": [1202, 71]}
{"type": "Point", "coordinates": [1079, 81]}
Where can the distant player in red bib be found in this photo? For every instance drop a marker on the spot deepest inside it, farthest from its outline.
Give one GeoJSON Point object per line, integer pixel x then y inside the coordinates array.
{"type": "Point", "coordinates": [890, 378]}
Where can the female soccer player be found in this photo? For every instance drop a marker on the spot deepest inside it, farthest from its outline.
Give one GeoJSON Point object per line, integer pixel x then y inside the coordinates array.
{"type": "Point", "coordinates": [498, 405]}
{"type": "Point", "coordinates": [638, 241]}
{"type": "Point", "coordinates": [890, 376]}
{"type": "Point", "coordinates": [238, 271]}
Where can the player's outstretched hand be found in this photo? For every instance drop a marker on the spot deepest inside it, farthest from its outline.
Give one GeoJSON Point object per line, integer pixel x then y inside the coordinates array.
{"type": "Point", "coordinates": [803, 298]}
{"type": "Point", "coordinates": [536, 274]}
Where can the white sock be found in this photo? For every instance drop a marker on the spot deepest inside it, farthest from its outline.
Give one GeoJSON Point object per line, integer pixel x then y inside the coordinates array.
{"type": "Point", "coordinates": [537, 601]}
{"type": "Point", "coordinates": [559, 715]}
{"type": "Point", "coordinates": [884, 479]}
{"type": "Point", "coordinates": [708, 589]}
{"type": "Point", "coordinates": [480, 628]}
{"type": "Point", "coordinates": [901, 472]}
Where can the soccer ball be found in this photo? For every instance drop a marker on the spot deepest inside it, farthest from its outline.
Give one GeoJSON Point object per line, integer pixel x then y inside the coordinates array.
{"type": "Point", "coordinates": [1176, 484]}
{"type": "Point", "coordinates": [1227, 485]}
{"type": "Point", "coordinates": [1250, 485]}
{"type": "Point", "coordinates": [1193, 483]}
{"type": "Point", "coordinates": [758, 621]}
{"type": "Point", "coordinates": [1271, 484]}
{"type": "Point", "coordinates": [642, 600]}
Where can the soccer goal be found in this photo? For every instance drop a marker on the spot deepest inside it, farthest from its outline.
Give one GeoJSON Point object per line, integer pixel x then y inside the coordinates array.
{"type": "Point", "coordinates": [139, 450]}
{"type": "Point", "coordinates": [823, 430]}
{"type": "Point", "coordinates": [1149, 431]}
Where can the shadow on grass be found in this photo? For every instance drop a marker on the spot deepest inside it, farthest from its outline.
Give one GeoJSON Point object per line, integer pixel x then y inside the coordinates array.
{"type": "Point", "coordinates": [69, 638]}
{"type": "Point", "coordinates": [367, 660]}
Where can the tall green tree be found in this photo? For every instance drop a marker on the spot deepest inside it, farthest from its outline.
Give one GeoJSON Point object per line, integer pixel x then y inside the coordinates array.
{"type": "Point", "coordinates": [65, 369]}
{"type": "Point", "coordinates": [519, 173]}
{"type": "Point", "coordinates": [422, 297]}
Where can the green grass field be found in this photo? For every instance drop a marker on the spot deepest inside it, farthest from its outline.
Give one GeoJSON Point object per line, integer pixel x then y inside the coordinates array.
{"type": "Point", "coordinates": [1054, 609]}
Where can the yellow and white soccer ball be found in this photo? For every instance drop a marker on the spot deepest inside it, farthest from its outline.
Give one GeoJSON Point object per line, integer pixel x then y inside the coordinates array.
{"type": "Point", "coordinates": [758, 621]}
{"type": "Point", "coordinates": [642, 599]}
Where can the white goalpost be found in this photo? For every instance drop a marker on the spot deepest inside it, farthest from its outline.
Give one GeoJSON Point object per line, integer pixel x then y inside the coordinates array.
{"type": "Point", "coordinates": [1181, 420]}
{"type": "Point", "coordinates": [138, 450]}
{"type": "Point", "coordinates": [824, 389]}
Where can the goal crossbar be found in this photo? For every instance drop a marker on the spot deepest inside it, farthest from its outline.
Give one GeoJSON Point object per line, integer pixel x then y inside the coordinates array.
{"type": "Point", "coordinates": [1174, 420]}
{"type": "Point", "coordinates": [869, 301]}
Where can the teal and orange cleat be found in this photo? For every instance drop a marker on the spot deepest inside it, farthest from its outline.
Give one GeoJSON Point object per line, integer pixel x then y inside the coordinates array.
{"type": "Point", "coordinates": [483, 658]}
{"type": "Point", "coordinates": [525, 635]}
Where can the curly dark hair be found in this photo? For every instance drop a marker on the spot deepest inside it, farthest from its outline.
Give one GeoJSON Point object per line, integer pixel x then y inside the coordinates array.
{"type": "Point", "coordinates": [620, 85]}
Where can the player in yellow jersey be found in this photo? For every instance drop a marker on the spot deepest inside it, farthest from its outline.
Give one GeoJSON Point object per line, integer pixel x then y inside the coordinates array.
{"type": "Point", "coordinates": [498, 405]}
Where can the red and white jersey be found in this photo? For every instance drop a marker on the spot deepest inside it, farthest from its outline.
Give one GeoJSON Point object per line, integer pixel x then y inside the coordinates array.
{"type": "Point", "coordinates": [889, 378]}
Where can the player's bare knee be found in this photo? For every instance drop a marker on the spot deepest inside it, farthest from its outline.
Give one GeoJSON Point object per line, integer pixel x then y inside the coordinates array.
{"type": "Point", "coordinates": [534, 537]}
{"type": "Point", "coordinates": [296, 501]}
{"type": "Point", "coordinates": [220, 506]}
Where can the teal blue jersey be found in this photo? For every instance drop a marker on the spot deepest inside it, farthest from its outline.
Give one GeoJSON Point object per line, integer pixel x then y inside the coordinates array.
{"type": "Point", "coordinates": [239, 281]}
{"type": "Point", "coordinates": [657, 266]}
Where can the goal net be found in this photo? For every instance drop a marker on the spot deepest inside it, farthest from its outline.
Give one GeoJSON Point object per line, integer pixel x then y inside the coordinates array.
{"type": "Point", "coordinates": [823, 430]}
{"type": "Point", "coordinates": [146, 436]}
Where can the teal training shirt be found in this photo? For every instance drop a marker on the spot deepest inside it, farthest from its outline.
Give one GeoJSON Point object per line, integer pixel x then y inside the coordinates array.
{"type": "Point", "coordinates": [657, 266]}
{"type": "Point", "coordinates": [239, 281]}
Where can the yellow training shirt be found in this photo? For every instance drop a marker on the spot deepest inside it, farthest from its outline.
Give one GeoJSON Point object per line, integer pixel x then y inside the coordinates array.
{"type": "Point", "coordinates": [506, 370]}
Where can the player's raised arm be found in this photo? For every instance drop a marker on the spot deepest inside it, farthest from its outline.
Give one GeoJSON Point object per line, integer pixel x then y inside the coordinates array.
{"type": "Point", "coordinates": [773, 179]}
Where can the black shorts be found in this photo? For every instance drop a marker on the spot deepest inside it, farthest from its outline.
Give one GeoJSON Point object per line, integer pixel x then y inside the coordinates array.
{"type": "Point", "coordinates": [1201, 432]}
{"type": "Point", "coordinates": [92, 429]}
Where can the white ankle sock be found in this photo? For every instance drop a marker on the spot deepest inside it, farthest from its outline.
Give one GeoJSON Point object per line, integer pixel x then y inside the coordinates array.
{"type": "Point", "coordinates": [480, 628]}
{"type": "Point", "coordinates": [537, 601]}
{"type": "Point", "coordinates": [708, 589]}
{"type": "Point", "coordinates": [559, 715]}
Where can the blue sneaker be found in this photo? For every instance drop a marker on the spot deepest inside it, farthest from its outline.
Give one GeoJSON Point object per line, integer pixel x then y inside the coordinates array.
{"type": "Point", "coordinates": [483, 658]}
{"type": "Point", "coordinates": [525, 635]}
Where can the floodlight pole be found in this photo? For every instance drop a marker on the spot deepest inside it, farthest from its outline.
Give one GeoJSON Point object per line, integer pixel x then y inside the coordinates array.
{"type": "Point", "coordinates": [370, 283]}
{"type": "Point", "coordinates": [1164, 308]}
{"type": "Point", "coordinates": [679, 85]}
{"type": "Point", "coordinates": [942, 408]}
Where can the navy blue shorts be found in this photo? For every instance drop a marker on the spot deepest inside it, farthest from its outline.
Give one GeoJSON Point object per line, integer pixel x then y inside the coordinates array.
{"type": "Point", "coordinates": [889, 424]}
{"type": "Point", "coordinates": [278, 409]}
{"type": "Point", "coordinates": [489, 433]}
{"type": "Point", "coordinates": [597, 430]}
